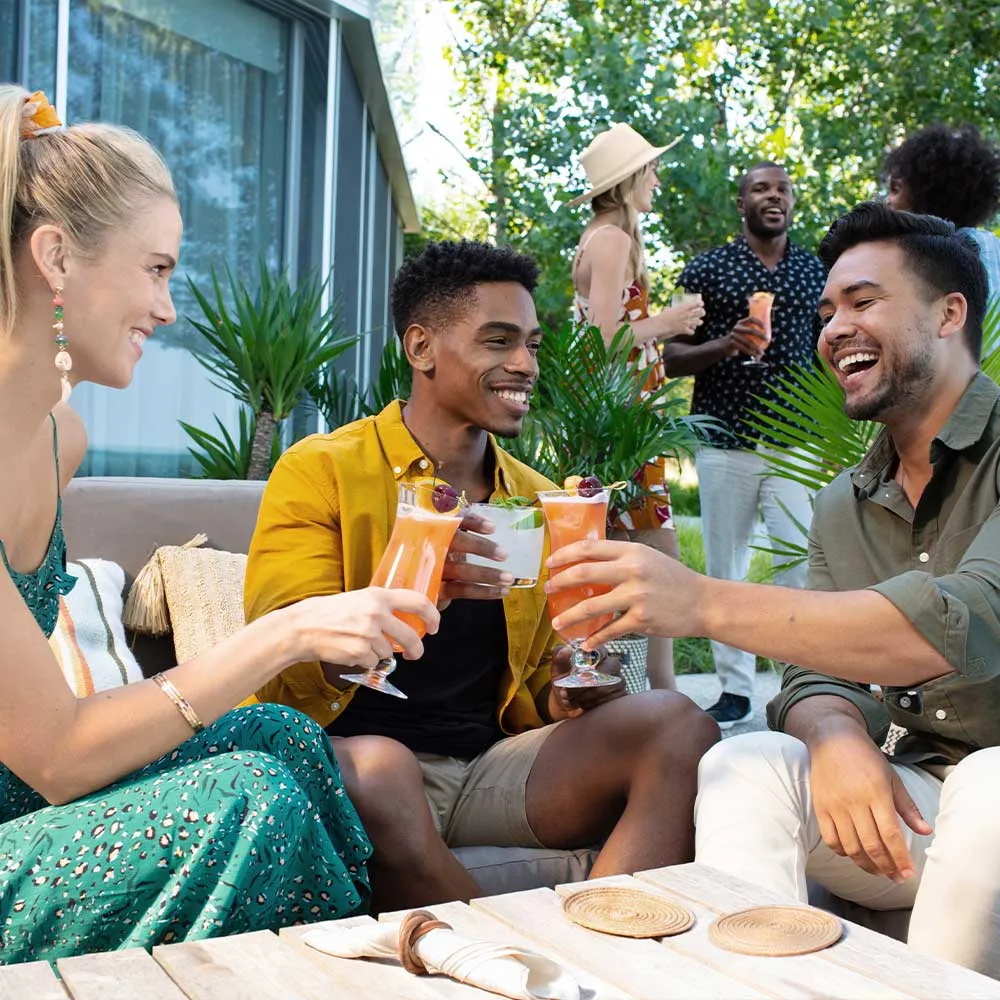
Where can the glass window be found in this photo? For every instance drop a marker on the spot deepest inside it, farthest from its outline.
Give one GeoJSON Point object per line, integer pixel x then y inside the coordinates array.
{"type": "Point", "coordinates": [9, 31]}
{"type": "Point", "coordinates": [207, 83]}
{"type": "Point", "coordinates": [37, 20]}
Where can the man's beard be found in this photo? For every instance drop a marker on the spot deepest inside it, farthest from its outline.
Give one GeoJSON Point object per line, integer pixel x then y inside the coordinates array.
{"type": "Point", "coordinates": [759, 228]}
{"type": "Point", "coordinates": [905, 385]}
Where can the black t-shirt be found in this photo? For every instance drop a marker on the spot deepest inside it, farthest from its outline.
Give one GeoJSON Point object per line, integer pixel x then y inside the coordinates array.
{"type": "Point", "coordinates": [725, 277]}
{"type": "Point", "coordinates": [451, 706]}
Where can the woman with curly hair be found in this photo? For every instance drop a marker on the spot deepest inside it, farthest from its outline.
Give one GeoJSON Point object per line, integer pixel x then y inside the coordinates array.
{"type": "Point", "coordinates": [953, 173]}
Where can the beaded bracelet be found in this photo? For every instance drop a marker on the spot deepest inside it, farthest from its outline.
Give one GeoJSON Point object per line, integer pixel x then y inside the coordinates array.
{"type": "Point", "coordinates": [183, 705]}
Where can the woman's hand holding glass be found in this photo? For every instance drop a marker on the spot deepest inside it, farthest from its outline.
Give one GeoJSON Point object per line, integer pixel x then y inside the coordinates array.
{"type": "Point", "coordinates": [357, 628]}
{"type": "Point", "coordinates": [683, 317]}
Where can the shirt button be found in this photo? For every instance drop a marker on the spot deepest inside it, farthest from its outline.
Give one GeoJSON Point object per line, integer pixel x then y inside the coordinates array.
{"type": "Point", "coordinates": [940, 714]}
{"type": "Point", "coordinates": [923, 557]}
{"type": "Point", "coordinates": [424, 463]}
{"type": "Point", "coordinates": [396, 469]}
{"type": "Point", "coordinates": [904, 702]}
{"type": "Point", "coordinates": [334, 706]}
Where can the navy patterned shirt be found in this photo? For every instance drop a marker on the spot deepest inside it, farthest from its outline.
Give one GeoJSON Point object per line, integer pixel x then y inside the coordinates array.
{"type": "Point", "coordinates": [725, 276]}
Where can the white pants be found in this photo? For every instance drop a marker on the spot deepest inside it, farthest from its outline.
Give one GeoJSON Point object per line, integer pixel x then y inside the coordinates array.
{"type": "Point", "coordinates": [735, 490]}
{"type": "Point", "coordinates": [754, 819]}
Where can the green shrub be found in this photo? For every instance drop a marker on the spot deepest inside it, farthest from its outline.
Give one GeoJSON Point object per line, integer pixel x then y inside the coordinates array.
{"type": "Point", "coordinates": [685, 499]}
{"type": "Point", "coordinates": [694, 655]}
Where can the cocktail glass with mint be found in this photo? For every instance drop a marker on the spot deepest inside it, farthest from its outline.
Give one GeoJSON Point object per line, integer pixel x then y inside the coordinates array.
{"type": "Point", "coordinates": [520, 532]}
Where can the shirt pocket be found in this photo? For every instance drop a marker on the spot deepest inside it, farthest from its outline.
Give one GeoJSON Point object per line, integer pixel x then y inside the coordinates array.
{"type": "Point", "coordinates": [951, 549]}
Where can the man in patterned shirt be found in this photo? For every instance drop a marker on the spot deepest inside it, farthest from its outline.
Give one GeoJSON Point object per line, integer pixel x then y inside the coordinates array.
{"type": "Point", "coordinates": [732, 472]}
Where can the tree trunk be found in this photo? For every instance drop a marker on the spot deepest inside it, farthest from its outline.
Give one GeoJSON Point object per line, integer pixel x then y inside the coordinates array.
{"type": "Point", "coordinates": [263, 441]}
{"type": "Point", "coordinates": [498, 167]}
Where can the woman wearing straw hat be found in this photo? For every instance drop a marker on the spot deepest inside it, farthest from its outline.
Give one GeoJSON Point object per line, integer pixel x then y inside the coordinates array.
{"type": "Point", "coordinates": [611, 289]}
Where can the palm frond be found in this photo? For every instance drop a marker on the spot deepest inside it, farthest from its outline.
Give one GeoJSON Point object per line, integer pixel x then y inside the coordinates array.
{"type": "Point", "coordinates": [991, 341]}
{"type": "Point", "coordinates": [809, 438]}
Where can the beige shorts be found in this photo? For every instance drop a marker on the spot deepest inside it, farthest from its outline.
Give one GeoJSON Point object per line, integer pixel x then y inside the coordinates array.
{"type": "Point", "coordinates": [481, 800]}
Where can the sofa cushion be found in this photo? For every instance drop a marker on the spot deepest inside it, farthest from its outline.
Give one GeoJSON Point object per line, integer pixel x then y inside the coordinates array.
{"type": "Point", "coordinates": [126, 519]}
{"type": "Point", "coordinates": [513, 869]}
{"type": "Point", "coordinates": [89, 640]}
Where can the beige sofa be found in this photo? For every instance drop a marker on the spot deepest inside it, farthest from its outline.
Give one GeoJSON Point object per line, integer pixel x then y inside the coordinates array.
{"type": "Point", "coordinates": [125, 519]}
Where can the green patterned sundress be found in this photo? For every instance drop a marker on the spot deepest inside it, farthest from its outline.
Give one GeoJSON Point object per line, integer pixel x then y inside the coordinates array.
{"type": "Point", "coordinates": [245, 826]}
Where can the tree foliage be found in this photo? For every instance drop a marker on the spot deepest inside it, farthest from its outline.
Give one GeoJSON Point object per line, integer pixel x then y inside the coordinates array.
{"type": "Point", "coordinates": [824, 86]}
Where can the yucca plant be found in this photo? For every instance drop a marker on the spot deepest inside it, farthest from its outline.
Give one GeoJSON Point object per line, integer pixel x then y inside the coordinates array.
{"type": "Point", "coordinates": [394, 379]}
{"type": "Point", "coordinates": [337, 398]}
{"type": "Point", "coordinates": [224, 456]}
{"type": "Point", "coordinates": [591, 418]}
{"type": "Point", "coordinates": [265, 346]}
{"type": "Point", "coordinates": [335, 394]}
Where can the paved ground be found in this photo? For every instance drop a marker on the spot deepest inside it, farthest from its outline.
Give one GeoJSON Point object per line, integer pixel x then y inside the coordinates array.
{"type": "Point", "coordinates": [704, 689]}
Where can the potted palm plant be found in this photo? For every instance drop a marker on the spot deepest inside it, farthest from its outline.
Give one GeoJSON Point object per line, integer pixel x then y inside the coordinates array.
{"type": "Point", "coordinates": [266, 347]}
{"type": "Point", "coordinates": [590, 417]}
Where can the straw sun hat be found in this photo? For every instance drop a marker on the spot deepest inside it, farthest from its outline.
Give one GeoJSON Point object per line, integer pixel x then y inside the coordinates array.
{"type": "Point", "coordinates": [613, 156]}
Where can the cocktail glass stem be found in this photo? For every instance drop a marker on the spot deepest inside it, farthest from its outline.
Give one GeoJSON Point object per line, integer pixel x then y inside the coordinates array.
{"type": "Point", "coordinates": [584, 674]}
{"type": "Point", "coordinates": [377, 677]}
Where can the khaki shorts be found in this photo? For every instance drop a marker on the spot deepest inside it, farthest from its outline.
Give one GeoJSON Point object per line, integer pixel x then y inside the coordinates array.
{"type": "Point", "coordinates": [481, 801]}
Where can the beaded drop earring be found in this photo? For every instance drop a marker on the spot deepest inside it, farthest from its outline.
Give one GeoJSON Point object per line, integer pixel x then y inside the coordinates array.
{"type": "Point", "coordinates": [64, 363]}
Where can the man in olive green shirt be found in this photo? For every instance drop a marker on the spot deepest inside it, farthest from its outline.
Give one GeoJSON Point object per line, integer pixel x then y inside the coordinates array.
{"type": "Point", "coordinates": [904, 593]}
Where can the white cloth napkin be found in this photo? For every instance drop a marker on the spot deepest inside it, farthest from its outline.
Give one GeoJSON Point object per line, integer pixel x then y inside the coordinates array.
{"type": "Point", "coordinates": [511, 972]}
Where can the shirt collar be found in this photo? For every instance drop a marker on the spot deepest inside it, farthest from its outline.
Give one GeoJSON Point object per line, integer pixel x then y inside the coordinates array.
{"type": "Point", "coordinates": [406, 458]}
{"type": "Point", "coordinates": [969, 420]}
{"type": "Point", "coordinates": [742, 243]}
{"type": "Point", "coordinates": [963, 428]}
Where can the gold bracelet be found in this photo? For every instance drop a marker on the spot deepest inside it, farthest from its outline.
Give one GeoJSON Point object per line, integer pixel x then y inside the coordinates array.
{"type": "Point", "coordinates": [183, 705]}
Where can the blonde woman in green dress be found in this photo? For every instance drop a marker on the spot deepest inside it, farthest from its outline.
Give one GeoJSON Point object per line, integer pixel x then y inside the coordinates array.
{"type": "Point", "coordinates": [150, 813]}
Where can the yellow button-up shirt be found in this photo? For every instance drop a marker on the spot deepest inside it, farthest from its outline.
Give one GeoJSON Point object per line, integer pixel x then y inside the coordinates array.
{"type": "Point", "coordinates": [324, 522]}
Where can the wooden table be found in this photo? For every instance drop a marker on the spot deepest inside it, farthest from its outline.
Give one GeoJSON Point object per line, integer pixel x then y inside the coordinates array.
{"type": "Point", "coordinates": [266, 966]}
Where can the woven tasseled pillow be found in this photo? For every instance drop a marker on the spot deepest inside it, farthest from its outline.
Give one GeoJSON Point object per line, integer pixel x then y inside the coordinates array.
{"type": "Point", "coordinates": [193, 592]}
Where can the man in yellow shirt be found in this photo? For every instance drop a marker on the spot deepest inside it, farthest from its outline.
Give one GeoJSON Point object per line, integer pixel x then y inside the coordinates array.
{"type": "Point", "coordinates": [471, 756]}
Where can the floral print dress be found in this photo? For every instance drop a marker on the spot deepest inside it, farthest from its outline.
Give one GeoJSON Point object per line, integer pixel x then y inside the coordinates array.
{"type": "Point", "coordinates": [653, 510]}
{"type": "Point", "coordinates": [245, 826]}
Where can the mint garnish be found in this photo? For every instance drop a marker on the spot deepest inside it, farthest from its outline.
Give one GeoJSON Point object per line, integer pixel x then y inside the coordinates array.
{"type": "Point", "coordinates": [510, 503]}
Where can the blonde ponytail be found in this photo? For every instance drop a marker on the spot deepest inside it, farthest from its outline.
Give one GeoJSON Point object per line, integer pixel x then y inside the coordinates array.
{"type": "Point", "coordinates": [618, 201]}
{"type": "Point", "coordinates": [88, 179]}
{"type": "Point", "coordinates": [11, 102]}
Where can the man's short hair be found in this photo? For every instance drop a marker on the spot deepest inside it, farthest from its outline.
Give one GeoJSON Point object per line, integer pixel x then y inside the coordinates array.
{"type": "Point", "coordinates": [759, 165]}
{"type": "Point", "coordinates": [943, 259]}
{"type": "Point", "coordinates": [436, 286]}
{"type": "Point", "coordinates": [949, 171]}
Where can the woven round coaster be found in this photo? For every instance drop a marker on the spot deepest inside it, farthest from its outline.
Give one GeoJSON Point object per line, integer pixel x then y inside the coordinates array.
{"type": "Point", "coordinates": [776, 930]}
{"type": "Point", "coordinates": [627, 912]}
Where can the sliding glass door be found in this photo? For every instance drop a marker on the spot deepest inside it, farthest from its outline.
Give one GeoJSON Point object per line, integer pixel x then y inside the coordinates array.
{"type": "Point", "coordinates": [207, 83]}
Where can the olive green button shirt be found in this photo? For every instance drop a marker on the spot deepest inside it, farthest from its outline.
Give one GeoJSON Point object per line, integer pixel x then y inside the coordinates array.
{"type": "Point", "coordinates": [939, 564]}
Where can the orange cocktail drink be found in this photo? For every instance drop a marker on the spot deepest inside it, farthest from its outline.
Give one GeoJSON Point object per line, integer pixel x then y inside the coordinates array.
{"type": "Point", "coordinates": [572, 516]}
{"type": "Point", "coordinates": [759, 308]}
{"type": "Point", "coordinates": [414, 557]}
{"type": "Point", "coordinates": [427, 516]}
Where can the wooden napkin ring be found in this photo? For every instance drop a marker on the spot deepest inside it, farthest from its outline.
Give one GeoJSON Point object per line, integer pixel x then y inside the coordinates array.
{"type": "Point", "coordinates": [413, 927]}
